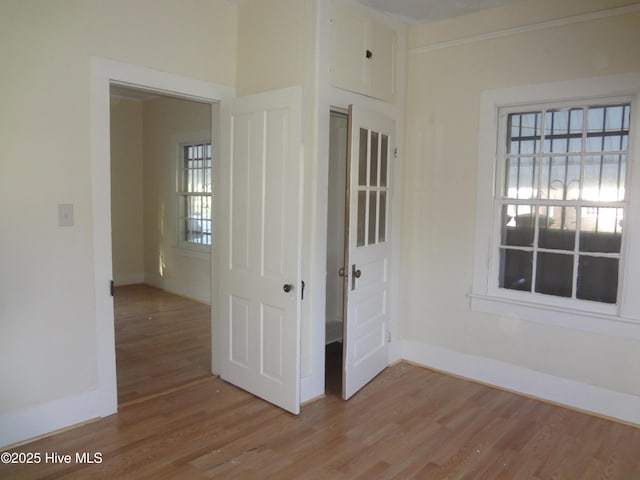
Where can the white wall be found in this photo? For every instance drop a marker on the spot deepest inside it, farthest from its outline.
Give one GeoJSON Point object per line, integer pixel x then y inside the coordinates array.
{"type": "Point", "coordinates": [167, 122]}
{"type": "Point", "coordinates": [127, 235]}
{"type": "Point", "coordinates": [271, 45]}
{"type": "Point", "coordinates": [49, 345]}
{"type": "Point", "coordinates": [448, 70]}
{"type": "Point", "coordinates": [144, 149]}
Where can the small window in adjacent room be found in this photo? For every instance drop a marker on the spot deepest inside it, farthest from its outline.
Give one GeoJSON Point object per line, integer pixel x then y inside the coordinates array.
{"type": "Point", "coordinates": [194, 195]}
{"type": "Point", "coordinates": [561, 199]}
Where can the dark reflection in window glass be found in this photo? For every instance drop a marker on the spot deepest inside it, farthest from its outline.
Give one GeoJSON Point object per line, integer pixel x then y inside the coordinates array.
{"type": "Point", "coordinates": [517, 225]}
{"type": "Point", "coordinates": [373, 169]}
{"type": "Point", "coordinates": [382, 227]}
{"type": "Point", "coordinates": [515, 269]}
{"type": "Point", "coordinates": [362, 161]}
{"type": "Point", "coordinates": [597, 279]}
{"type": "Point", "coordinates": [362, 215]}
{"type": "Point", "coordinates": [554, 274]}
{"type": "Point", "coordinates": [557, 228]}
{"type": "Point", "coordinates": [383, 160]}
{"type": "Point", "coordinates": [373, 209]}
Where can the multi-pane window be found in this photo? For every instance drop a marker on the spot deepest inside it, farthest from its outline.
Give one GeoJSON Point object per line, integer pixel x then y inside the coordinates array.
{"type": "Point", "coordinates": [561, 199]}
{"type": "Point", "coordinates": [194, 194]}
{"type": "Point", "coordinates": [372, 188]}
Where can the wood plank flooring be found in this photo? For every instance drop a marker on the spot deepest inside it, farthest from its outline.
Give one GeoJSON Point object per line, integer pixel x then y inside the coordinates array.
{"type": "Point", "coordinates": [409, 422]}
{"type": "Point", "coordinates": [163, 341]}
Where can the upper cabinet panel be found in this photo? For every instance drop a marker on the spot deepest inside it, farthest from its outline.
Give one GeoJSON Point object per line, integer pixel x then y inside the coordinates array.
{"type": "Point", "coordinates": [362, 53]}
{"type": "Point", "coordinates": [382, 62]}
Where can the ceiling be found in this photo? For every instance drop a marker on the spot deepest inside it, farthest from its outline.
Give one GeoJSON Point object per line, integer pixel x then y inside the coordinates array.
{"type": "Point", "coordinates": [421, 11]}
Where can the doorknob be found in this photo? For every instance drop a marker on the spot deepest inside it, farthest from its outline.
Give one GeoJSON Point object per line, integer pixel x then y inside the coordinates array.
{"type": "Point", "coordinates": [341, 272]}
{"type": "Point", "coordinates": [355, 273]}
{"type": "Point", "coordinates": [287, 287]}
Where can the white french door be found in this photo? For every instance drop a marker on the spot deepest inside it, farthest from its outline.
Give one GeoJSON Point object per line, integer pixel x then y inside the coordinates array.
{"type": "Point", "coordinates": [259, 240]}
{"type": "Point", "coordinates": [367, 248]}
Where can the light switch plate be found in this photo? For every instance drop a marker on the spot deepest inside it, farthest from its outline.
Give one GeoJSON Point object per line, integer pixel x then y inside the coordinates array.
{"type": "Point", "coordinates": [65, 214]}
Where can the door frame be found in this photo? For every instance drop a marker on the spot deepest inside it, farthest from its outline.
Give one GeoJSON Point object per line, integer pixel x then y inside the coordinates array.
{"type": "Point", "coordinates": [335, 99]}
{"type": "Point", "coordinates": [105, 72]}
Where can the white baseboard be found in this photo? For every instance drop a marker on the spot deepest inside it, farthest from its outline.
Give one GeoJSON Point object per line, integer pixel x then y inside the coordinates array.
{"type": "Point", "coordinates": [563, 391]}
{"type": "Point", "coordinates": [128, 279]}
{"type": "Point", "coordinates": [170, 286]}
{"type": "Point", "coordinates": [37, 420]}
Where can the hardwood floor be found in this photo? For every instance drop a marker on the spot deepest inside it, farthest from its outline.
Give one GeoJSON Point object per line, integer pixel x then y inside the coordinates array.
{"type": "Point", "coordinates": [163, 341]}
{"type": "Point", "coordinates": [409, 422]}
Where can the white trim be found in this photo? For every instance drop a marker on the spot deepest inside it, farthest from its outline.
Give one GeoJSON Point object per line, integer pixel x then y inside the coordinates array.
{"type": "Point", "coordinates": [560, 22]}
{"type": "Point", "coordinates": [104, 72]}
{"type": "Point", "coordinates": [484, 297]}
{"type": "Point", "coordinates": [563, 317]}
{"type": "Point", "coordinates": [571, 393]}
{"type": "Point", "coordinates": [34, 421]}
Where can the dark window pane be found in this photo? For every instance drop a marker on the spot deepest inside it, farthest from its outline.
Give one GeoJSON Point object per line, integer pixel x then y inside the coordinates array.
{"type": "Point", "coordinates": [362, 161]}
{"type": "Point", "coordinates": [373, 212]}
{"type": "Point", "coordinates": [375, 151]}
{"type": "Point", "coordinates": [554, 274]}
{"type": "Point", "coordinates": [597, 279]}
{"type": "Point", "coordinates": [557, 228]}
{"type": "Point", "coordinates": [362, 211]}
{"type": "Point", "coordinates": [517, 225]}
{"type": "Point", "coordinates": [382, 227]}
{"type": "Point", "coordinates": [383, 161]}
{"type": "Point", "coordinates": [515, 269]}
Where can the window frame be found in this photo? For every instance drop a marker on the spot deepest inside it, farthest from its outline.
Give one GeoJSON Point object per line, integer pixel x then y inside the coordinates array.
{"type": "Point", "coordinates": [500, 201]}
{"type": "Point", "coordinates": [181, 243]}
{"type": "Point", "coordinates": [622, 318]}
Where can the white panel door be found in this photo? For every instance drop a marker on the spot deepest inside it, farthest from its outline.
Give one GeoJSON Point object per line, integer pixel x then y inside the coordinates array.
{"type": "Point", "coordinates": [259, 234]}
{"type": "Point", "coordinates": [368, 248]}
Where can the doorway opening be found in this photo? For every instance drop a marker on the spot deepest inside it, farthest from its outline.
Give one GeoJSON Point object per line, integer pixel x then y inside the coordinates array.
{"type": "Point", "coordinates": [161, 240]}
{"type": "Point", "coordinates": [336, 231]}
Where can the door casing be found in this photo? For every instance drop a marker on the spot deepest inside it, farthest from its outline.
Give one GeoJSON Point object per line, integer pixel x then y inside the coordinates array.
{"type": "Point", "coordinates": [105, 72]}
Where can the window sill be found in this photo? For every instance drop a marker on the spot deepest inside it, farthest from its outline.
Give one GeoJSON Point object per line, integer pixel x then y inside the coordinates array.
{"type": "Point", "coordinates": [593, 322]}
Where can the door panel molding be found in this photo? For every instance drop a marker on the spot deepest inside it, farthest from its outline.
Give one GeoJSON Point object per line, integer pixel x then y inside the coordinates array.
{"type": "Point", "coordinates": [367, 247]}
{"type": "Point", "coordinates": [259, 220]}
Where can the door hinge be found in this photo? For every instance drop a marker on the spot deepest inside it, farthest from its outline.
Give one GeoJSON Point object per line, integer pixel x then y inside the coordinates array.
{"type": "Point", "coordinates": [111, 287]}
{"type": "Point", "coordinates": [395, 152]}
{"type": "Point", "coordinates": [388, 337]}
{"type": "Point", "coordinates": [302, 291]}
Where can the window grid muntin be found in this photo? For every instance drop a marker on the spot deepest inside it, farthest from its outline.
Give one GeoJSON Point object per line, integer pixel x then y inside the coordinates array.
{"type": "Point", "coordinates": [537, 153]}
{"type": "Point", "coordinates": [194, 194]}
